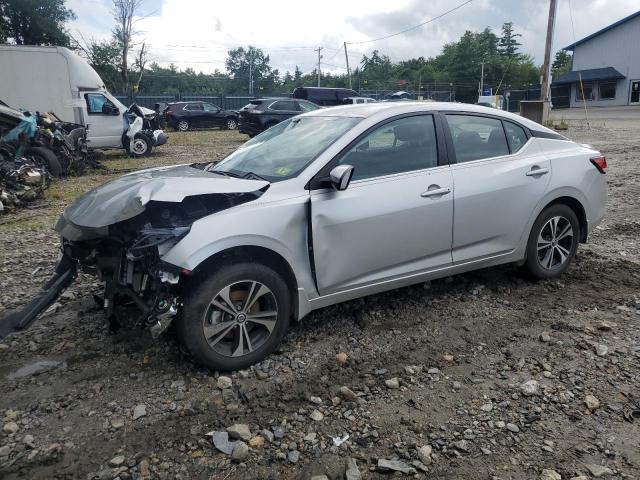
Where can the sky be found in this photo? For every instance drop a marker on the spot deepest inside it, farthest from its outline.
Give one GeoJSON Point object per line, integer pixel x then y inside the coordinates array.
{"type": "Point", "coordinates": [198, 33]}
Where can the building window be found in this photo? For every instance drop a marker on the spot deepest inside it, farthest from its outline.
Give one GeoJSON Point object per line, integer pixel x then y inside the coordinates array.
{"type": "Point", "coordinates": [586, 91]}
{"type": "Point", "coordinates": [607, 90]}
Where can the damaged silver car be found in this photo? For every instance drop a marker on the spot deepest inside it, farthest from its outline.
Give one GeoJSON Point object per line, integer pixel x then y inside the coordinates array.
{"type": "Point", "coordinates": [325, 207]}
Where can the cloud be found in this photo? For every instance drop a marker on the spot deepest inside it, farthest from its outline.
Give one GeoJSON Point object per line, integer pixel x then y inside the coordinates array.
{"type": "Point", "coordinates": [198, 33]}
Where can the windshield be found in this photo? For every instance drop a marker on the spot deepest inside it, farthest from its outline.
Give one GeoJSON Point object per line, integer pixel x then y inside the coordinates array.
{"type": "Point", "coordinates": [284, 150]}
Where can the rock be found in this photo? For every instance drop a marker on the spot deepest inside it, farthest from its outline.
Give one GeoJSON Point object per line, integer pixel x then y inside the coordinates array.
{"type": "Point", "coordinates": [143, 468]}
{"type": "Point", "coordinates": [601, 350]}
{"type": "Point", "coordinates": [221, 441]}
{"type": "Point", "coordinates": [224, 382]}
{"type": "Point", "coordinates": [456, 385]}
{"type": "Point", "coordinates": [29, 441]}
{"type": "Point", "coordinates": [530, 387]}
{"type": "Point", "coordinates": [487, 407]}
{"type": "Point", "coordinates": [348, 394]}
{"type": "Point", "coordinates": [10, 428]}
{"type": "Point", "coordinates": [260, 375]}
{"type": "Point", "coordinates": [447, 358]}
{"type": "Point", "coordinates": [500, 424]}
{"type": "Point", "coordinates": [606, 327]}
{"type": "Point", "coordinates": [317, 416]}
{"type": "Point", "coordinates": [548, 474]}
{"type": "Point", "coordinates": [579, 477]}
{"type": "Point", "coordinates": [240, 452]}
{"type": "Point", "coordinates": [433, 371]}
{"type": "Point", "coordinates": [424, 454]}
{"type": "Point", "coordinates": [591, 402]}
{"type": "Point", "coordinates": [256, 442]}
{"type": "Point", "coordinates": [267, 435]}
{"type": "Point", "coordinates": [278, 432]}
{"type": "Point", "coordinates": [117, 422]}
{"type": "Point", "coordinates": [462, 445]}
{"type": "Point", "coordinates": [316, 400]}
{"type": "Point", "coordinates": [293, 456]}
{"type": "Point", "coordinates": [5, 450]}
{"type": "Point", "coordinates": [352, 473]}
{"type": "Point", "coordinates": [342, 358]}
{"type": "Point", "coordinates": [139, 411]}
{"type": "Point", "coordinates": [392, 383]}
{"type": "Point", "coordinates": [310, 437]}
{"type": "Point", "coordinates": [116, 461]}
{"type": "Point", "coordinates": [413, 369]}
{"type": "Point", "coordinates": [598, 470]}
{"type": "Point", "coordinates": [385, 465]}
{"type": "Point", "coordinates": [239, 431]}
{"type": "Point", "coordinates": [512, 427]}
{"type": "Point", "coordinates": [545, 337]}
{"type": "Point", "coordinates": [319, 477]}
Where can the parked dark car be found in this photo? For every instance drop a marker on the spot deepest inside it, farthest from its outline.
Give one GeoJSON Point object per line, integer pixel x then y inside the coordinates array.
{"type": "Point", "coordinates": [262, 113]}
{"type": "Point", "coordinates": [325, 97]}
{"type": "Point", "coordinates": [184, 116]}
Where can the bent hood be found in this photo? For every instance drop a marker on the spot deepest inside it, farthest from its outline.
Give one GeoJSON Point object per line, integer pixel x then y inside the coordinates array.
{"type": "Point", "coordinates": [126, 197]}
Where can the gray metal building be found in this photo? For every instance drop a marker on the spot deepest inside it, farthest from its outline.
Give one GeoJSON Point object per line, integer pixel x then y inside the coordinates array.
{"type": "Point", "coordinates": [607, 63]}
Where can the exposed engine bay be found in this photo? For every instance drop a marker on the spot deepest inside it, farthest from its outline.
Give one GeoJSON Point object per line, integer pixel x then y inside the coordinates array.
{"type": "Point", "coordinates": [119, 232]}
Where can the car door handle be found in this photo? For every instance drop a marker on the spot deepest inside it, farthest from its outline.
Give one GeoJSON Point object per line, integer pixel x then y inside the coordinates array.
{"type": "Point", "coordinates": [534, 172]}
{"type": "Point", "coordinates": [435, 192]}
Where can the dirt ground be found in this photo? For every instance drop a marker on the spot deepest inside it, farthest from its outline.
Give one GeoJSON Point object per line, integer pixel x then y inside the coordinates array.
{"type": "Point", "coordinates": [486, 375]}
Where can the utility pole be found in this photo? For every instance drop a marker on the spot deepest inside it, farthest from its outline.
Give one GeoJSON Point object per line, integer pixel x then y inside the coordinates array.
{"type": "Point", "coordinates": [545, 84]}
{"type": "Point", "coordinates": [250, 73]}
{"type": "Point", "coordinates": [481, 79]}
{"type": "Point", "coordinates": [346, 56]}
{"type": "Point", "coordinates": [319, 49]}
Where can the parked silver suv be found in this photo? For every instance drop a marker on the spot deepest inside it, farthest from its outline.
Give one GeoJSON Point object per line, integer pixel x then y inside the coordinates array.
{"type": "Point", "coordinates": [325, 207]}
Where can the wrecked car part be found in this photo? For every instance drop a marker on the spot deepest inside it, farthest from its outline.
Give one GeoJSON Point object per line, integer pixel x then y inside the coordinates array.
{"type": "Point", "coordinates": [143, 131]}
{"type": "Point", "coordinates": [64, 275]}
{"type": "Point", "coordinates": [21, 180]}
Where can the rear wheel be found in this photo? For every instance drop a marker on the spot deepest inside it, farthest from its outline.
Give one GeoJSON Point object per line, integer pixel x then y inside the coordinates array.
{"type": "Point", "coordinates": [231, 124]}
{"type": "Point", "coordinates": [47, 158]}
{"type": "Point", "coordinates": [553, 242]}
{"type": "Point", "coordinates": [183, 125]}
{"type": "Point", "coordinates": [235, 317]}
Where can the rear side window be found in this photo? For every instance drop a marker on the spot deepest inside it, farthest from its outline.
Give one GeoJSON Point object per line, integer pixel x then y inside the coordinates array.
{"type": "Point", "coordinates": [194, 107]}
{"type": "Point", "coordinates": [515, 136]}
{"type": "Point", "coordinates": [307, 106]}
{"type": "Point", "coordinates": [475, 138]}
{"type": "Point", "coordinates": [399, 146]}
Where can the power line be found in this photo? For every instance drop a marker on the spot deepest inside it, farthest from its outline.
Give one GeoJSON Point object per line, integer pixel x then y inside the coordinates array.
{"type": "Point", "coordinates": [413, 27]}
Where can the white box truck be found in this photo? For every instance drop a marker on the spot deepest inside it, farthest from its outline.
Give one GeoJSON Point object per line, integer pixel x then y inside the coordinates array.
{"type": "Point", "coordinates": [55, 79]}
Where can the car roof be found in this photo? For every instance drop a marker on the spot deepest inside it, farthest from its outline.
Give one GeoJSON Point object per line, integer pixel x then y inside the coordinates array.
{"type": "Point", "coordinates": [390, 109]}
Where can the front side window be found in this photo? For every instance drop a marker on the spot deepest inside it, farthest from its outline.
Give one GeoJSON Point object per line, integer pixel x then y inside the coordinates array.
{"type": "Point", "coordinates": [475, 138]}
{"type": "Point", "coordinates": [284, 105]}
{"type": "Point", "coordinates": [195, 107]}
{"type": "Point", "coordinates": [515, 136]}
{"type": "Point", "coordinates": [585, 91]}
{"type": "Point", "coordinates": [210, 108]}
{"type": "Point", "coordinates": [307, 106]}
{"type": "Point", "coordinates": [284, 150]}
{"type": "Point", "coordinates": [607, 90]}
{"type": "Point", "coordinates": [98, 104]}
{"type": "Point", "coordinates": [399, 146]}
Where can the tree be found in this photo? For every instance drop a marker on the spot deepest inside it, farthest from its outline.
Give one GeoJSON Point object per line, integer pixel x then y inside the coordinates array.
{"type": "Point", "coordinates": [248, 65]}
{"type": "Point", "coordinates": [125, 12]}
{"type": "Point", "coordinates": [508, 43]}
{"type": "Point", "coordinates": [35, 22]}
{"type": "Point", "coordinates": [104, 57]}
{"type": "Point", "coordinates": [561, 63]}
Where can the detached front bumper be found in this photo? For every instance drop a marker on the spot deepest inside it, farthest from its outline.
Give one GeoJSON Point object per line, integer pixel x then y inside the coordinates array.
{"type": "Point", "coordinates": [65, 274]}
{"type": "Point", "coordinates": [159, 138]}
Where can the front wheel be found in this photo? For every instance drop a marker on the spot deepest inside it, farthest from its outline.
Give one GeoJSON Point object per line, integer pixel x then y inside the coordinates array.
{"type": "Point", "coordinates": [231, 124]}
{"type": "Point", "coordinates": [140, 147]}
{"type": "Point", "coordinates": [553, 242]}
{"type": "Point", "coordinates": [236, 316]}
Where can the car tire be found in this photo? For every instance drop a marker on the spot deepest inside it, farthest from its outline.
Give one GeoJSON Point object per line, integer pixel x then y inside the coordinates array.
{"type": "Point", "coordinates": [553, 242]}
{"type": "Point", "coordinates": [142, 145]}
{"type": "Point", "coordinates": [183, 125]}
{"type": "Point", "coordinates": [231, 124]}
{"type": "Point", "coordinates": [211, 330]}
{"type": "Point", "coordinates": [47, 158]}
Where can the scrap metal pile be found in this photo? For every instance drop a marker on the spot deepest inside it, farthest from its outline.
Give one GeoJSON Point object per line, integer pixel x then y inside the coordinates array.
{"type": "Point", "coordinates": [33, 149]}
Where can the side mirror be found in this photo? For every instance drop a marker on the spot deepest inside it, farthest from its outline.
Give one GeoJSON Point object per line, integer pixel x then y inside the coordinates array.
{"type": "Point", "coordinates": [340, 176]}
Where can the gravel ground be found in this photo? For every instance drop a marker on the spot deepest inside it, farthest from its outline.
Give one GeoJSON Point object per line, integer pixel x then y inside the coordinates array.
{"type": "Point", "coordinates": [484, 375]}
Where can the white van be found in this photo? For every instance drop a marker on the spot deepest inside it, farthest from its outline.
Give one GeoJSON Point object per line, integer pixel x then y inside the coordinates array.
{"type": "Point", "coordinates": [54, 79]}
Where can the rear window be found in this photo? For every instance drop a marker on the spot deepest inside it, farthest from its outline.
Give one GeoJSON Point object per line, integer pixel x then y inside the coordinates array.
{"type": "Point", "coordinates": [253, 104]}
{"type": "Point", "coordinates": [194, 106]}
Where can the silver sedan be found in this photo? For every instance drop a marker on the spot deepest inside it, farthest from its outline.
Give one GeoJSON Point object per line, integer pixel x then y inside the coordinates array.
{"type": "Point", "coordinates": [326, 207]}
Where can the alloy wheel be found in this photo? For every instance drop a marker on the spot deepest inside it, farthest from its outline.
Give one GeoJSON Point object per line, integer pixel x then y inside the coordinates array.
{"type": "Point", "coordinates": [555, 242]}
{"type": "Point", "coordinates": [240, 318]}
{"type": "Point", "coordinates": [183, 125]}
{"type": "Point", "coordinates": [232, 124]}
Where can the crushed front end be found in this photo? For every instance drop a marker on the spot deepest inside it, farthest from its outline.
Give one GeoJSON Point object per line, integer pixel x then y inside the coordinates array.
{"type": "Point", "coordinates": [120, 232]}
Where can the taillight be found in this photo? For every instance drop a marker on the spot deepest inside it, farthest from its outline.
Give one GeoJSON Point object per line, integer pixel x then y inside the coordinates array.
{"type": "Point", "coordinates": [600, 163]}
